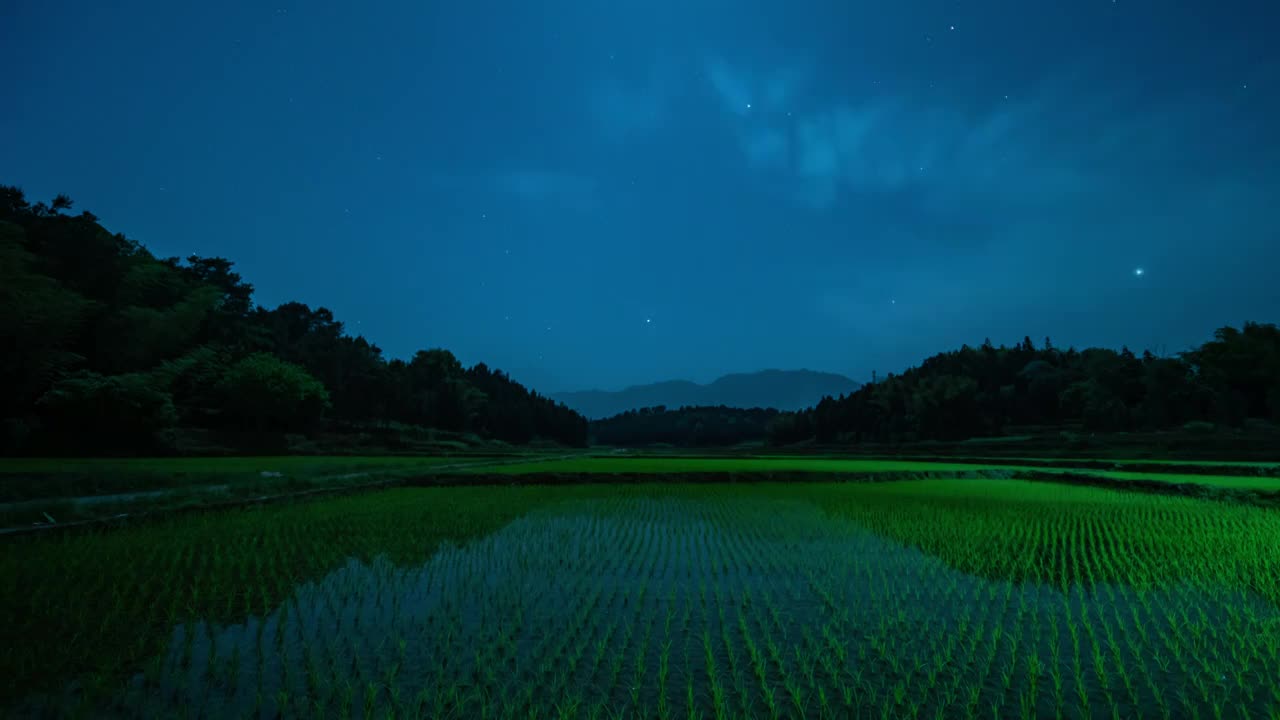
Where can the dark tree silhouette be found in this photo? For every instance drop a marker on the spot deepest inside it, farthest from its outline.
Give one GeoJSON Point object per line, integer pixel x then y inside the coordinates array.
{"type": "Point", "coordinates": [93, 327]}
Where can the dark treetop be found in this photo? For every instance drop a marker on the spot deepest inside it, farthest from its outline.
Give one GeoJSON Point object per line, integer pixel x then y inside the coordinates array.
{"type": "Point", "coordinates": [106, 348]}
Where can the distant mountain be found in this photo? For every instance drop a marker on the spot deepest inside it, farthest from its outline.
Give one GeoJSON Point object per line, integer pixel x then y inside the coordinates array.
{"type": "Point", "coordinates": [779, 389]}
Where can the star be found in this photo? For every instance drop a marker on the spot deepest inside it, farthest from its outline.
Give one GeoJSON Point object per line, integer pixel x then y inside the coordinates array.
{"type": "Point", "coordinates": [748, 106]}
{"type": "Point", "coordinates": [1139, 272]}
{"type": "Point", "coordinates": [953, 27]}
{"type": "Point", "coordinates": [648, 321]}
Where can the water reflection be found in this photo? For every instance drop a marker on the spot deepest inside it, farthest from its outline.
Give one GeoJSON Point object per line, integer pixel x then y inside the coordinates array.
{"type": "Point", "coordinates": [756, 607]}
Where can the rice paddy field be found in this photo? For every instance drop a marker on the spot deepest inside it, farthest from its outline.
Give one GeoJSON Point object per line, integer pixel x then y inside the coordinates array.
{"type": "Point", "coordinates": [1261, 477]}
{"type": "Point", "coordinates": [29, 478]}
{"type": "Point", "coordinates": [931, 598]}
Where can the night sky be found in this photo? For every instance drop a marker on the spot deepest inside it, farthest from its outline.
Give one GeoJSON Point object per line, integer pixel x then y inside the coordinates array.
{"type": "Point", "coordinates": [595, 194]}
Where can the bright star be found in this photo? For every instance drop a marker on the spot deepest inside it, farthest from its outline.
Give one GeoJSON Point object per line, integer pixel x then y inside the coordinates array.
{"type": "Point", "coordinates": [1139, 272]}
{"type": "Point", "coordinates": [648, 320]}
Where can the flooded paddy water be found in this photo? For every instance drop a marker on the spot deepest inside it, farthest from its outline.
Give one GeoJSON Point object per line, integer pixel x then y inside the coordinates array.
{"type": "Point", "coordinates": [729, 603]}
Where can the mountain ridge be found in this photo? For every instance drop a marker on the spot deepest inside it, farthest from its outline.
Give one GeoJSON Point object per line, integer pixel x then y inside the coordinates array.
{"type": "Point", "coordinates": [769, 388]}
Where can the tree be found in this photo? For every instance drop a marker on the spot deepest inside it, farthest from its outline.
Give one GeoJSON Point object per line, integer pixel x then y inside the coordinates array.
{"type": "Point", "coordinates": [1243, 368]}
{"type": "Point", "coordinates": [88, 411]}
{"type": "Point", "coordinates": [74, 296]}
{"type": "Point", "coordinates": [269, 393]}
{"type": "Point", "coordinates": [39, 323]}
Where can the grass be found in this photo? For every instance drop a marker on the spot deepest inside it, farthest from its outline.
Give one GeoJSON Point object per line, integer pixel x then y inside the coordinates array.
{"type": "Point", "coordinates": [854, 466]}
{"type": "Point", "coordinates": [1239, 482]}
{"type": "Point", "coordinates": [43, 491]}
{"type": "Point", "coordinates": [900, 599]}
{"type": "Point", "coordinates": [1223, 463]}
{"type": "Point", "coordinates": [68, 490]}
{"type": "Point", "coordinates": [39, 478]}
{"type": "Point", "coordinates": [660, 465]}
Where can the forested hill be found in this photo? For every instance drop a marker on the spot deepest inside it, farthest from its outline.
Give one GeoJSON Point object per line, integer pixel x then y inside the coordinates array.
{"type": "Point", "coordinates": [107, 348]}
{"type": "Point", "coordinates": [777, 389]}
{"type": "Point", "coordinates": [1231, 380]}
{"type": "Point", "coordinates": [704, 426]}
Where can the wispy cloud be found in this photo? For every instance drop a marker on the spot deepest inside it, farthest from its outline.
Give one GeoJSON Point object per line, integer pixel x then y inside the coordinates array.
{"type": "Point", "coordinates": [545, 185]}
{"type": "Point", "coordinates": [1013, 209]}
{"type": "Point", "coordinates": [754, 93]}
{"type": "Point", "coordinates": [1059, 143]}
{"type": "Point", "coordinates": [530, 185]}
{"type": "Point", "coordinates": [623, 108]}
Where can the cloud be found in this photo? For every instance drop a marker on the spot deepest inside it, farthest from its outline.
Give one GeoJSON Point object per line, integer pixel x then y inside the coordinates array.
{"type": "Point", "coordinates": [767, 147]}
{"type": "Point", "coordinates": [744, 94]}
{"type": "Point", "coordinates": [623, 108]}
{"type": "Point", "coordinates": [529, 185]}
{"type": "Point", "coordinates": [540, 185]}
{"type": "Point", "coordinates": [625, 111]}
{"type": "Point", "coordinates": [730, 86]}
{"type": "Point", "coordinates": [1062, 142]}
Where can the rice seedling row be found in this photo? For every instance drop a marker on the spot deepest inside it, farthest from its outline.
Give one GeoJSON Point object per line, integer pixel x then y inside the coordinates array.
{"type": "Point", "coordinates": [919, 599]}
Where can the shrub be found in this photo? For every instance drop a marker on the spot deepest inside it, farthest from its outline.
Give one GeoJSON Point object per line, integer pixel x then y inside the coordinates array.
{"type": "Point", "coordinates": [1200, 427]}
{"type": "Point", "coordinates": [96, 411]}
{"type": "Point", "coordinates": [268, 393]}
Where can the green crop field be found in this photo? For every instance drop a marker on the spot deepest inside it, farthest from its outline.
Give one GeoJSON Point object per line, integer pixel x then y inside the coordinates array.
{"type": "Point", "coordinates": [929, 598]}
{"type": "Point", "coordinates": [850, 466]}
{"type": "Point", "coordinates": [1240, 482]}
{"type": "Point", "coordinates": [22, 479]}
{"type": "Point", "coordinates": [283, 463]}
{"type": "Point", "coordinates": [652, 465]}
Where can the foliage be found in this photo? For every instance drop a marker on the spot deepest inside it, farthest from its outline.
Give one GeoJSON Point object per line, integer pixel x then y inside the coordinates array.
{"type": "Point", "coordinates": [687, 426]}
{"type": "Point", "coordinates": [272, 393]}
{"type": "Point", "coordinates": [108, 413]}
{"type": "Point", "coordinates": [75, 298]}
{"type": "Point", "coordinates": [973, 392]}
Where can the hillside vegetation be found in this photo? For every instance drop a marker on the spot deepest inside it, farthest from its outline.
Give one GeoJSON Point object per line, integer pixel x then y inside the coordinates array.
{"type": "Point", "coordinates": [105, 348]}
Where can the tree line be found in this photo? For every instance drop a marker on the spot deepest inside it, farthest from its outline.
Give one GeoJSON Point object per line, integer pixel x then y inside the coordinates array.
{"type": "Point", "coordinates": [986, 391]}
{"type": "Point", "coordinates": [693, 426]}
{"type": "Point", "coordinates": [105, 347]}
{"type": "Point", "coordinates": [1229, 380]}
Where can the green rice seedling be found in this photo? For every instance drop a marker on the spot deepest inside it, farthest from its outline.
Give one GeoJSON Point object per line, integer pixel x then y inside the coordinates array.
{"type": "Point", "coordinates": [569, 708]}
{"type": "Point", "coordinates": [796, 694]}
{"type": "Point", "coordinates": [718, 701]}
{"type": "Point", "coordinates": [770, 702]}
{"type": "Point", "coordinates": [664, 658]}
